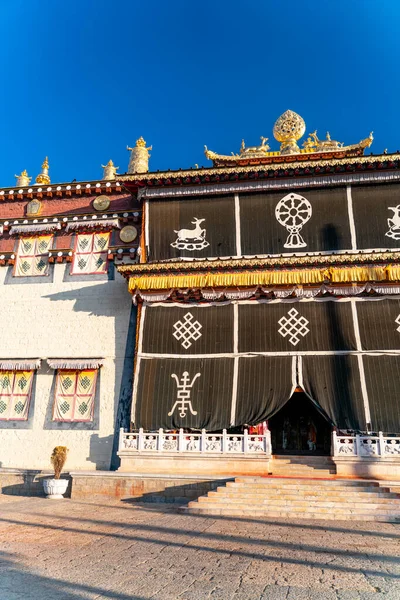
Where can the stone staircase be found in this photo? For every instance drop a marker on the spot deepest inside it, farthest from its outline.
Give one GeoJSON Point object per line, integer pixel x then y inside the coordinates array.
{"type": "Point", "coordinates": [302, 466]}
{"type": "Point", "coordinates": [300, 498]}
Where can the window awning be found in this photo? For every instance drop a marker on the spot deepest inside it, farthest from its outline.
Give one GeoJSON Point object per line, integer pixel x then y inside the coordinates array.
{"type": "Point", "coordinates": [75, 363]}
{"type": "Point", "coordinates": [24, 364]}
{"type": "Point", "coordinates": [34, 228]}
{"type": "Point", "coordinates": [94, 224]}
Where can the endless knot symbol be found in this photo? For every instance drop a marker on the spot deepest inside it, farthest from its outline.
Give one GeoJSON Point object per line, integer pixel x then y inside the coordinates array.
{"type": "Point", "coordinates": [397, 320]}
{"type": "Point", "coordinates": [19, 407]}
{"type": "Point", "coordinates": [4, 382]}
{"type": "Point", "coordinates": [187, 330]}
{"type": "Point", "coordinates": [293, 326]}
{"type": "Point", "coordinates": [83, 408]}
{"type": "Point", "coordinates": [42, 246]}
{"type": "Point", "coordinates": [85, 382]}
{"type": "Point", "coordinates": [64, 407]}
{"type": "Point", "coordinates": [99, 262]}
{"type": "Point", "coordinates": [83, 243]}
{"type": "Point", "coordinates": [67, 382]}
{"type": "Point", "coordinates": [22, 383]}
{"type": "Point", "coordinates": [41, 265]}
{"type": "Point", "coordinates": [82, 263]}
{"type": "Point", "coordinates": [25, 266]}
{"type": "Point", "coordinates": [3, 406]}
{"type": "Point", "coordinates": [102, 243]}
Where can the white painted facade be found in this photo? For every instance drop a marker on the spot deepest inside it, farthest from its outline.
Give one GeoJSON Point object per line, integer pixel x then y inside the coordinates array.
{"type": "Point", "coordinates": [69, 317]}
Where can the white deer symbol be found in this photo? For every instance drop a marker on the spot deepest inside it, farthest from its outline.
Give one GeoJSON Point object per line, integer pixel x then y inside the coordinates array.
{"type": "Point", "coordinates": [395, 220]}
{"type": "Point", "coordinates": [196, 234]}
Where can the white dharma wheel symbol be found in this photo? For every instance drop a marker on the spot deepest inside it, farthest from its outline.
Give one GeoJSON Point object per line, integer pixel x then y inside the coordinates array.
{"type": "Point", "coordinates": [293, 211]}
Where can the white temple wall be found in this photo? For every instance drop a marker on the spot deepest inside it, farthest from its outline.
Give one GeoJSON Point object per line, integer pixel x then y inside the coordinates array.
{"type": "Point", "coordinates": [70, 317]}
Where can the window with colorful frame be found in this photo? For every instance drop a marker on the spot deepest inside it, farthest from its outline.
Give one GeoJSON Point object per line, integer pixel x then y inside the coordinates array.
{"type": "Point", "coordinates": [33, 256]}
{"type": "Point", "coordinates": [91, 253]}
{"type": "Point", "coordinates": [15, 395]}
{"type": "Point", "coordinates": [74, 395]}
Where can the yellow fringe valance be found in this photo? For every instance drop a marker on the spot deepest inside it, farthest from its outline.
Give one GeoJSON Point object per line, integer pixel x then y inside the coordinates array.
{"type": "Point", "coordinates": [255, 278]}
{"type": "Point", "coordinates": [393, 272]}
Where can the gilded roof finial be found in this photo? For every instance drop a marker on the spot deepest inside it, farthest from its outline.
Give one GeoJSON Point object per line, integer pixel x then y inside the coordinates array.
{"type": "Point", "coordinates": [289, 128]}
{"type": "Point", "coordinates": [43, 177]}
{"type": "Point", "coordinates": [139, 159]}
{"type": "Point", "coordinates": [110, 171]}
{"type": "Point", "coordinates": [23, 180]}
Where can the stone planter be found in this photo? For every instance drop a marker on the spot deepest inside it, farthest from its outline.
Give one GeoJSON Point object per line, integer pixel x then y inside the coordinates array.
{"type": "Point", "coordinates": [55, 488]}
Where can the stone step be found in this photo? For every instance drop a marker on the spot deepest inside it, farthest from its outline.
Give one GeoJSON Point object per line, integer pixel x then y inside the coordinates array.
{"type": "Point", "coordinates": [282, 495]}
{"type": "Point", "coordinates": [301, 504]}
{"type": "Point", "coordinates": [265, 488]}
{"type": "Point", "coordinates": [282, 514]}
{"type": "Point", "coordinates": [288, 480]}
{"type": "Point", "coordinates": [312, 508]}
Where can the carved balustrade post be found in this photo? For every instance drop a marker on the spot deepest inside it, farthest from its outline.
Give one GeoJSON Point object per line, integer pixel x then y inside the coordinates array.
{"type": "Point", "coordinates": [334, 448]}
{"type": "Point", "coordinates": [246, 441]}
{"type": "Point", "coordinates": [181, 441]}
{"type": "Point", "coordinates": [141, 440]}
{"type": "Point", "coordinates": [160, 439]}
{"type": "Point", "coordinates": [224, 442]}
{"type": "Point", "coordinates": [381, 444]}
{"type": "Point", "coordinates": [203, 440]}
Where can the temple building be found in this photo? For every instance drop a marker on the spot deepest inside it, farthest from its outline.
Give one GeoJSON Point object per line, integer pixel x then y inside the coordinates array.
{"type": "Point", "coordinates": [268, 310]}
{"type": "Point", "coordinates": [206, 321]}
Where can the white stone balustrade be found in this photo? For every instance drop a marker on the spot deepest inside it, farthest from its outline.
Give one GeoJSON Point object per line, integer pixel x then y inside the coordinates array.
{"type": "Point", "coordinates": [201, 443]}
{"type": "Point", "coordinates": [365, 446]}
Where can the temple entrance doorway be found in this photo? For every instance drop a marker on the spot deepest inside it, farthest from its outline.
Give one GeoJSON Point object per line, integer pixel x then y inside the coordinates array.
{"type": "Point", "coordinates": [300, 429]}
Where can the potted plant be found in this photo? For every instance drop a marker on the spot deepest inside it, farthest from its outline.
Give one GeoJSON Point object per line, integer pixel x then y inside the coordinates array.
{"type": "Point", "coordinates": [56, 487]}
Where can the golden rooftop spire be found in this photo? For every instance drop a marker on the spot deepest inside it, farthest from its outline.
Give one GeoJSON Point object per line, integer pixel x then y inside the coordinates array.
{"type": "Point", "coordinates": [23, 180]}
{"type": "Point", "coordinates": [43, 177]}
{"type": "Point", "coordinates": [139, 159]}
{"type": "Point", "coordinates": [110, 171]}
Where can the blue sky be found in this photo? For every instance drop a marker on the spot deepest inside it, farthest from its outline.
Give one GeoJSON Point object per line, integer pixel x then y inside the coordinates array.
{"type": "Point", "coordinates": [84, 78]}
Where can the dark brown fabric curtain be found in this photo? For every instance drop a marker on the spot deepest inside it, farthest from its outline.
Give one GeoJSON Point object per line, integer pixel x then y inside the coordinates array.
{"type": "Point", "coordinates": [333, 383]}
{"type": "Point", "coordinates": [264, 387]}
{"type": "Point", "coordinates": [210, 394]}
{"type": "Point", "coordinates": [382, 375]}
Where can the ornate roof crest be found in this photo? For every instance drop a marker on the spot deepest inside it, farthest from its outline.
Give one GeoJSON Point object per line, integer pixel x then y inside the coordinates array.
{"type": "Point", "coordinates": [288, 129]}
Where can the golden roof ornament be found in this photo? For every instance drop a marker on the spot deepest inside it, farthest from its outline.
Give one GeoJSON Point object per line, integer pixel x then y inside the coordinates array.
{"type": "Point", "coordinates": [110, 171]}
{"type": "Point", "coordinates": [289, 128]}
{"type": "Point", "coordinates": [23, 180]}
{"type": "Point", "coordinates": [139, 159]}
{"type": "Point", "coordinates": [43, 177]}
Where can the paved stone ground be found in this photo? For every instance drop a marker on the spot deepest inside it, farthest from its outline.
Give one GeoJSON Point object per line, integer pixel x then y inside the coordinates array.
{"type": "Point", "coordinates": [69, 550]}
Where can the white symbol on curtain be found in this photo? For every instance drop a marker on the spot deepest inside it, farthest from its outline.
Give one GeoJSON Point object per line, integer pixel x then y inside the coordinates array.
{"type": "Point", "coordinates": [187, 330]}
{"type": "Point", "coordinates": [184, 388]}
{"type": "Point", "coordinates": [191, 239]}
{"type": "Point", "coordinates": [397, 320]}
{"type": "Point", "coordinates": [293, 211]}
{"type": "Point", "coordinates": [394, 223]}
{"type": "Point", "coordinates": [293, 326]}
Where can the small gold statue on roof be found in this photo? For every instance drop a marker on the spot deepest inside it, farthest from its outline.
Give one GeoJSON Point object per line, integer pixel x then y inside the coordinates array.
{"type": "Point", "coordinates": [139, 159]}
{"type": "Point", "coordinates": [110, 171]}
{"type": "Point", "coordinates": [23, 180]}
{"type": "Point", "coordinates": [43, 177]}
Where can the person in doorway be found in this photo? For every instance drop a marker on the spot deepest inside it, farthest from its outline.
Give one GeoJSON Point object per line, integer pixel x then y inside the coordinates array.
{"type": "Point", "coordinates": [312, 436]}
